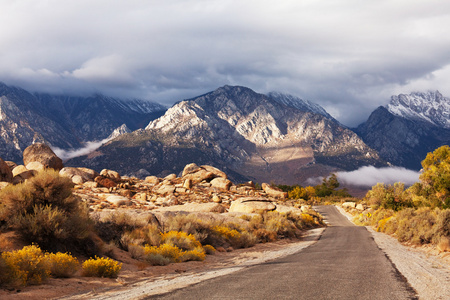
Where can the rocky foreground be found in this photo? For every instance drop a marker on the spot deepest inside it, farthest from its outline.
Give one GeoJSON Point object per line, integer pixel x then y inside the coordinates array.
{"type": "Point", "coordinates": [202, 189]}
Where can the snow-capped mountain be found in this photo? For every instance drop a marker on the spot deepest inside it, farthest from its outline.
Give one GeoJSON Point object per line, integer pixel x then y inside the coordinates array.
{"type": "Point", "coordinates": [409, 127]}
{"type": "Point", "coordinates": [65, 122]}
{"type": "Point", "coordinates": [250, 135]}
{"type": "Point", "coordinates": [429, 107]}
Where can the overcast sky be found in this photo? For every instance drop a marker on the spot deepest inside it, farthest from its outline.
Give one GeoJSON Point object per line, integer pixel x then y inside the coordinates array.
{"type": "Point", "coordinates": [349, 56]}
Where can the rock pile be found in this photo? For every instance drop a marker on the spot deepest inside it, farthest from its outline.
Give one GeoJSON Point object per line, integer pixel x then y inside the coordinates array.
{"type": "Point", "coordinates": [200, 188]}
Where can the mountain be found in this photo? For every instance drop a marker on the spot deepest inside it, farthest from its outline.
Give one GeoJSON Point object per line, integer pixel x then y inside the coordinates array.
{"type": "Point", "coordinates": [250, 135]}
{"type": "Point", "coordinates": [303, 105]}
{"type": "Point", "coordinates": [64, 122]}
{"type": "Point", "coordinates": [409, 127]}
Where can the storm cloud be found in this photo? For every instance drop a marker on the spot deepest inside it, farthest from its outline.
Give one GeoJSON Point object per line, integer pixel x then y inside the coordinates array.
{"type": "Point", "coordinates": [347, 55]}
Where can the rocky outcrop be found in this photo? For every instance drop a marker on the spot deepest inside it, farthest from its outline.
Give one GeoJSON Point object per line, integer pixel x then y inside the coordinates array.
{"type": "Point", "coordinates": [43, 154]}
{"type": "Point", "coordinates": [221, 183]}
{"type": "Point", "coordinates": [251, 205]}
{"type": "Point", "coordinates": [273, 191]}
{"type": "Point", "coordinates": [78, 175]}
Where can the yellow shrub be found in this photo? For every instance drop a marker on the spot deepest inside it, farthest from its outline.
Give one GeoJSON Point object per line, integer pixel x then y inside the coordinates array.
{"type": "Point", "coordinates": [26, 266]}
{"type": "Point", "coordinates": [197, 254]}
{"type": "Point", "coordinates": [209, 249]}
{"type": "Point", "coordinates": [166, 250]}
{"type": "Point", "coordinates": [180, 239]}
{"type": "Point", "coordinates": [382, 224]}
{"type": "Point", "coordinates": [62, 264]}
{"type": "Point", "coordinates": [308, 219]}
{"type": "Point", "coordinates": [227, 232]}
{"type": "Point", "coordinates": [101, 267]}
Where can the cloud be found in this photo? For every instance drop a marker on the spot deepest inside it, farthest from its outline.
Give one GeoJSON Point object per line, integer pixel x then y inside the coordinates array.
{"type": "Point", "coordinates": [370, 176]}
{"type": "Point", "coordinates": [88, 148]}
{"type": "Point", "coordinates": [346, 55]}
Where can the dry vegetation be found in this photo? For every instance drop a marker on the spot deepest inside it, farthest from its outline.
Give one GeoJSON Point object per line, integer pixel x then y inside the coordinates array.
{"type": "Point", "coordinates": [417, 215]}
{"type": "Point", "coordinates": [45, 214]}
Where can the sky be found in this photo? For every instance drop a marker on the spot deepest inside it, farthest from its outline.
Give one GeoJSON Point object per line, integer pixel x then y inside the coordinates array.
{"type": "Point", "coordinates": [349, 56]}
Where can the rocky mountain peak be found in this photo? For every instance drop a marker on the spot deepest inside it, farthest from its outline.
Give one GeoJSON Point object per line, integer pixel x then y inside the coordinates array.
{"type": "Point", "coordinates": [430, 107]}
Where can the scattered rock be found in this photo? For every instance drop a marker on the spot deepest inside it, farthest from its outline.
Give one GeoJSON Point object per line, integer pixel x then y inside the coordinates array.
{"type": "Point", "coordinates": [118, 200]}
{"type": "Point", "coordinates": [164, 189]}
{"type": "Point", "coordinates": [189, 169]}
{"type": "Point", "coordinates": [215, 171]}
{"type": "Point", "coordinates": [170, 177]}
{"type": "Point", "coordinates": [349, 204]}
{"type": "Point", "coordinates": [43, 154]}
{"type": "Point", "coordinates": [216, 199]}
{"type": "Point", "coordinates": [360, 206]}
{"type": "Point", "coordinates": [195, 207]}
{"type": "Point", "coordinates": [113, 175]}
{"type": "Point", "coordinates": [187, 184]}
{"type": "Point", "coordinates": [287, 209]}
{"type": "Point", "coordinates": [35, 165]}
{"type": "Point", "coordinates": [105, 182]}
{"type": "Point", "coordinates": [85, 173]}
{"type": "Point", "coordinates": [251, 205]}
{"type": "Point", "coordinates": [273, 191]}
{"type": "Point", "coordinates": [221, 183]}
{"type": "Point", "coordinates": [152, 180]}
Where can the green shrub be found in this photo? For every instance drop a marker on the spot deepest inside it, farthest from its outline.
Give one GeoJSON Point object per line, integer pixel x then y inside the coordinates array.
{"type": "Point", "coordinates": [101, 267]}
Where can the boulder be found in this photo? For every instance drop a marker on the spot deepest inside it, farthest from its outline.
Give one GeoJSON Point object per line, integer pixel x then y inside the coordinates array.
{"type": "Point", "coordinates": [113, 175]}
{"type": "Point", "coordinates": [105, 182]}
{"type": "Point", "coordinates": [22, 176]}
{"type": "Point", "coordinates": [189, 169]}
{"type": "Point", "coordinates": [195, 207]}
{"type": "Point", "coordinates": [77, 179]}
{"type": "Point", "coordinates": [35, 165]}
{"type": "Point", "coordinates": [215, 171]}
{"type": "Point", "coordinates": [5, 172]}
{"type": "Point", "coordinates": [164, 189]}
{"type": "Point", "coordinates": [170, 177]}
{"type": "Point", "coordinates": [199, 176]}
{"type": "Point", "coordinates": [19, 169]}
{"type": "Point", "coordinates": [360, 207]}
{"type": "Point", "coordinates": [221, 183]}
{"type": "Point", "coordinates": [251, 205]}
{"type": "Point", "coordinates": [349, 205]}
{"type": "Point", "coordinates": [43, 154]}
{"type": "Point", "coordinates": [118, 200]}
{"type": "Point", "coordinates": [273, 191]}
{"type": "Point", "coordinates": [187, 184]}
{"type": "Point", "coordinates": [288, 209]}
{"type": "Point", "coordinates": [152, 180]}
{"type": "Point", "coordinates": [84, 173]}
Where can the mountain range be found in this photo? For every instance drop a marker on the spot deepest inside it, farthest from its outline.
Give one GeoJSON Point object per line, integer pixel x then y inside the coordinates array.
{"type": "Point", "coordinates": [274, 137]}
{"type": "Point", "coordinates": [64, 121]}
{"type": "Point", "coordinates": [407, 128]}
